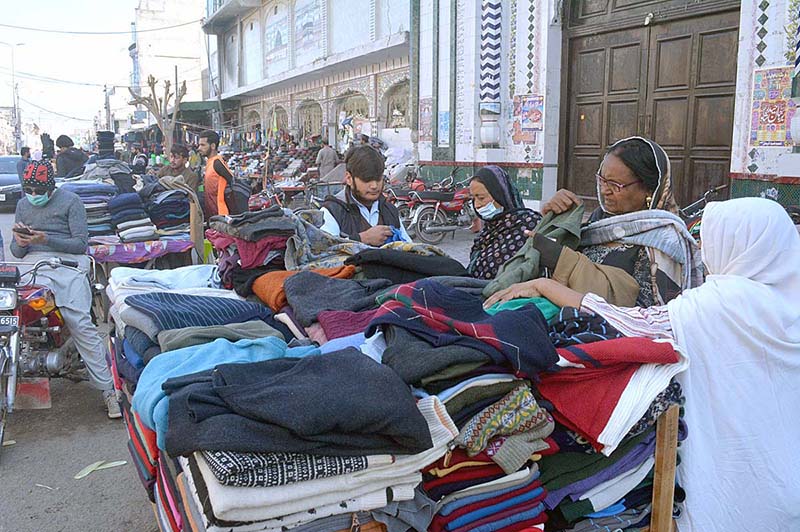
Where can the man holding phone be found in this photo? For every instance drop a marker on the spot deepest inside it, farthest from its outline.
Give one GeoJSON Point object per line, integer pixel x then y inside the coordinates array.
{"type": "Point", "coordinates": [49, 223]}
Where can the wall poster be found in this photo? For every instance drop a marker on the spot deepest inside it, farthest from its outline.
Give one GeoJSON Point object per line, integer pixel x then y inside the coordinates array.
{"type": "Point", "coordinates": [772, 108]}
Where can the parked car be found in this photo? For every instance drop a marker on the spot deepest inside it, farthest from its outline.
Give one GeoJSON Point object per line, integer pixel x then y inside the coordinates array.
{"type": "Point", "coordinates": [10, 186]}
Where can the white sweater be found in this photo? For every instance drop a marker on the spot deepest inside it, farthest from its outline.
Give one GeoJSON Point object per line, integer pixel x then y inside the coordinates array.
{"type": "Point", "coordinates": [233, 503]}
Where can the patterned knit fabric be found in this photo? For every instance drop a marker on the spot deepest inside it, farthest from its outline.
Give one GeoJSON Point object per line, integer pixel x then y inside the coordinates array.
{"type": "Point", "coordinates": [443, 316]}
{"type": "Point", "coordinates": [515, 413]}
{"type": "Point", "coordinates": [573, 327]}
{"type": "Point", "coordinates": [278, 469]}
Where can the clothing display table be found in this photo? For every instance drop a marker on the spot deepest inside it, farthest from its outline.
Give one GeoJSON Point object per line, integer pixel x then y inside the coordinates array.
{"type": "Point", "coordinates": [137, 252]}
{"type": "Point", "coordinates": [107, 256]}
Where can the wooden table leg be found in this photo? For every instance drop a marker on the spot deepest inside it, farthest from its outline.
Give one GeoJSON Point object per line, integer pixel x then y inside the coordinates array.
{"type": "Point", "coordinates": [666, 464]}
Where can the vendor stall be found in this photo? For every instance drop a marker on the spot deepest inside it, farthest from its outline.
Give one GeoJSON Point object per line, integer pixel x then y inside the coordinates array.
{"type": "Point", "coordinates": [364, 388]}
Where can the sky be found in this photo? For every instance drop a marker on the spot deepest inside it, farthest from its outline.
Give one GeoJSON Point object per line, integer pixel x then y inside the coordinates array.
{"type": "Point", "coordinates": [80, 58]}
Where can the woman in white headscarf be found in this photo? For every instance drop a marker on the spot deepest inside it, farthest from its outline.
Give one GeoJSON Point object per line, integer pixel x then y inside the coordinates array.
{"type": "Point", "coordinates": [741, 331]}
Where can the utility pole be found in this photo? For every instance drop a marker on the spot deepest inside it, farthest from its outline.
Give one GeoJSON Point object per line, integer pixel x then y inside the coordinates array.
{"type": "Point", "coordinates": [108, 110]}
{"type": "Point", "coordinates": [15, 114]}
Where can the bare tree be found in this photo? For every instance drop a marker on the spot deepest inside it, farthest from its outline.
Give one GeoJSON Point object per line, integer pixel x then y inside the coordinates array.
{"type": "Point", "coordinates": [159, 107]}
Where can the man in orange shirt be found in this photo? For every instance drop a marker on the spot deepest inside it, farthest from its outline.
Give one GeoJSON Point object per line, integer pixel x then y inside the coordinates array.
{"type": "Point", "coordinates": [217, 175]}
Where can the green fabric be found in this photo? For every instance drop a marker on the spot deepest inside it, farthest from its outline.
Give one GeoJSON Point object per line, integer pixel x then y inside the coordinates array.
{"type": "Point", "coordinates": [563, 469]}
{"type": "Point", "coordinates": [170, 340]}
{"type": "Point", "coordinates": [564, 228]}
{"type": "Point", "coordinates": [477, 394]}
{"type": "Point", "coordinates": [450, 372]}
{"type": "Point", "coordinates": [572, 511]}
{"type": "Point", "coordinates": [546, 307]}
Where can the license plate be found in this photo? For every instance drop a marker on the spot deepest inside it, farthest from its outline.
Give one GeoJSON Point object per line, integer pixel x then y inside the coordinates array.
{"type": "Point", "coordinates": [2, 197]}
{"type": "Point", "coordinates": [9, 320]}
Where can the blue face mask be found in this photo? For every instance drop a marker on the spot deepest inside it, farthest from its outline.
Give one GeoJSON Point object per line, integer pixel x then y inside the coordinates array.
{"type": "Point", "coordinates": [38, 200]}
{"type": "Point", "coordinates": [489, 211]}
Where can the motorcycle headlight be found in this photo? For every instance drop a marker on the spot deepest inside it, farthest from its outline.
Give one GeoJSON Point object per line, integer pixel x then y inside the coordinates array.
{"type": "Point", "coordinates": [8, 299]}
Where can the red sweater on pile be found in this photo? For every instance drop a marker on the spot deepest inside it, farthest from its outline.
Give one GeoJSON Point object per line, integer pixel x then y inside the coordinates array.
{"type": "Point", "coordinates": [593, 376]}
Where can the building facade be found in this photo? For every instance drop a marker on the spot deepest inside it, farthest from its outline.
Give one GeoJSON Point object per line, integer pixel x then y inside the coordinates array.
{"type": "Point", "coordinates": [313, 68]}
{"type": "Point", "coordinates": [539, 87]}
{"type": "Point", "coordinates": [543, 87]}
{"type": "Point", "coordinates": [765, 157]}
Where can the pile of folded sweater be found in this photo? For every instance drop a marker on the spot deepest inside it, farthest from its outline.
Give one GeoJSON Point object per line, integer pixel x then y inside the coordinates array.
{"type": "Point", "coordinates": [130, 219]}
{"type": "Point", "coordinates": [169, 212]}
{"type": "Point", "coordinates": [351, 401]}
{"type": "Point", "coordinates": [95, 197]}
{"type": "Point", "coordinates": [249, 245]}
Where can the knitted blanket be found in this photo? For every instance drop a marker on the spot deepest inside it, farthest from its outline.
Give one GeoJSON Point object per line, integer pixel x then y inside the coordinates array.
{"type": "Point", "coordinates": [446, 316]}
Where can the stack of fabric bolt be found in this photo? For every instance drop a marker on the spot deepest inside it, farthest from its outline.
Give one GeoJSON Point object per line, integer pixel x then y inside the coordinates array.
{"type": "Point", "coordinates": [169, 212]}
{"type": "Point", "coordinates": [346, 437]}
{"type": "Point", "coordinates": [250, 245]}
{"type": "Point", "coordinates": [95, 197]}
{"type": "Point", "coordinates": [130, 219]}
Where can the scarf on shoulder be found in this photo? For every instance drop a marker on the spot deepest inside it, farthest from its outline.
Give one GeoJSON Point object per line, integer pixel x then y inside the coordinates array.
{"type": "Point", "coordinates": [499, 241]}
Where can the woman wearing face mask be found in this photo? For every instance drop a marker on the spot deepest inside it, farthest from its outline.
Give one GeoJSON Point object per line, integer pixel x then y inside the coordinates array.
{"type": "Point", "coordinates": [632, 252]}
{"type": "Point", "coordinates": [49, 223]}
{"type": "Point", "coordinates": [505, 220]}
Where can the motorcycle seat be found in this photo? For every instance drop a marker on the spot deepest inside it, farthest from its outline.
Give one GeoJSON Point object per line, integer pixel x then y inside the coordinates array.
{"type": "Point", "coordinates": [402, 192]}
{"type": "Point", "coordinates": [7, 330]}
{"type": "Point", "coordinates": [428, 195]}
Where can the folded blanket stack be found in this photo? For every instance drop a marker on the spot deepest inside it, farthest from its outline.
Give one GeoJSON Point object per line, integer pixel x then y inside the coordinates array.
{"type": "Point", "coordinates": [251, 244]}
{"type": "Point", "coordinates": [341, 400]}
{"type": "Point", "coordinates": [95, 197]}
{"type": "Point", "coordinates": [169, 212]}
{"type": "Point", "coordinates": [130, 219]}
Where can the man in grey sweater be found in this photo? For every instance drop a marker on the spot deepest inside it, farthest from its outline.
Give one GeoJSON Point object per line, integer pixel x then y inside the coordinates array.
{"type": "Point", "coordinates": [52, 223]}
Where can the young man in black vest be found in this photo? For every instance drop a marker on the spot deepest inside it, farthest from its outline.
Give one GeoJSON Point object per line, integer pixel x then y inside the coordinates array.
{"type": "Point", "coordinates": [360, 211]}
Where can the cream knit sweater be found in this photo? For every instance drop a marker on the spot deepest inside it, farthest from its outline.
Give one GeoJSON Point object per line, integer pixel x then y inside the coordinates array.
{"type": "Point", "coordinates": [232, 503]}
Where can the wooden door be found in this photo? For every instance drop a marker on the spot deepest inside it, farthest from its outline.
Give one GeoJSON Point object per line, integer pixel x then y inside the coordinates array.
{"type": "Point", "coordinates": [691, 95]}
{"type": "Point", "coordinates": [607, 95]}
{"type": "Point", "coordinates": [672, 80]}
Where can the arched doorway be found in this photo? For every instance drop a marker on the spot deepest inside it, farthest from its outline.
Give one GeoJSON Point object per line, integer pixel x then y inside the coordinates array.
{"type": "Point", "coordinates": [309, 119]}
{"type": "Point", "coordinates": [277, 118]}
{"type": "Point", "coordinates": [353, 118]}
{"type": "Point", "coordinates": [395, 105]}
{"type": "Point", "coordinates": [252, 131]}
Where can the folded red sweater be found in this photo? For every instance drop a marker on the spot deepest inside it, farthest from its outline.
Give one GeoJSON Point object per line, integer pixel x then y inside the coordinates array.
{"type": "Point", "coordinates": [470, 473]}
{"type": "Point", "coordinates": [591, 378]}
{"type": "Point", "coordinates": [439, 521]}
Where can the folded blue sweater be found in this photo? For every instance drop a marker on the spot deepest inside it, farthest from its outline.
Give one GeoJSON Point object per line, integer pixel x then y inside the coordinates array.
{"type": "Point", "coordinates": [149, 400]}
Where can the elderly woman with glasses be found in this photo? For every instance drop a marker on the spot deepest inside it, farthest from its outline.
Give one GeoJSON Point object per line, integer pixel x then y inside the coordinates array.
{"type": "Point", "coordinates": [634, 250]}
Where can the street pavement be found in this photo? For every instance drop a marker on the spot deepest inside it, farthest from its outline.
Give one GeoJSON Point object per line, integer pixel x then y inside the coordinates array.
{"type": "Point", "coordinates": [37, 490]}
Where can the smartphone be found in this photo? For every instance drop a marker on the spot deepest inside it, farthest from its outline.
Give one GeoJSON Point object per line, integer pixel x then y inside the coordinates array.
{"type": "Point", "coordinates": [22, 230]}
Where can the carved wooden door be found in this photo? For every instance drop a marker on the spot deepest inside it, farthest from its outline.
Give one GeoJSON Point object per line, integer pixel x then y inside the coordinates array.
{"type": "Point", "coordinates": [672, 79]}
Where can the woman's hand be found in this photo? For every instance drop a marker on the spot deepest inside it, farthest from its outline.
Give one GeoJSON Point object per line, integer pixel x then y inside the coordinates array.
{"type": "Point", "coordinates": [557, 293]}
{"type": "Point", "coordinates": [563, 201]}
{"type": "Point", "coordinates": [515, 291]}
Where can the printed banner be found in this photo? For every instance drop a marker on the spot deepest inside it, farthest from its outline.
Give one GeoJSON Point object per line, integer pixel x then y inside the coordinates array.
{"type": "Point", "coordinates": [426, 120]}
{"type": "Point", "coordinates": [773, 107]}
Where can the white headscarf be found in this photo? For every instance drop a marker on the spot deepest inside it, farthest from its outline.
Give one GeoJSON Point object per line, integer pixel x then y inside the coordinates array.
{"type": "Point", "coordinates": [741, 330]}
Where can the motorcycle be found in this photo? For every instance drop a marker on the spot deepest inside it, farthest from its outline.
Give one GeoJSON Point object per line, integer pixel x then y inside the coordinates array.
{"type": "Point", "coordinates": [438, 212]}
{"type": "Point", "coordinates": [400, 196]}
{"type": "Point", "coordinates": [34, 340]}
{"type": "Point", "coordinates": [692, 214]}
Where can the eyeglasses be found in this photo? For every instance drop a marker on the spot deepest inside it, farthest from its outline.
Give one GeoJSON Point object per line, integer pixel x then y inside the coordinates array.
{"type": "Point", "coordinates": [613, 185]}
{"type": "Point", "coordinates": [35, 191]}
